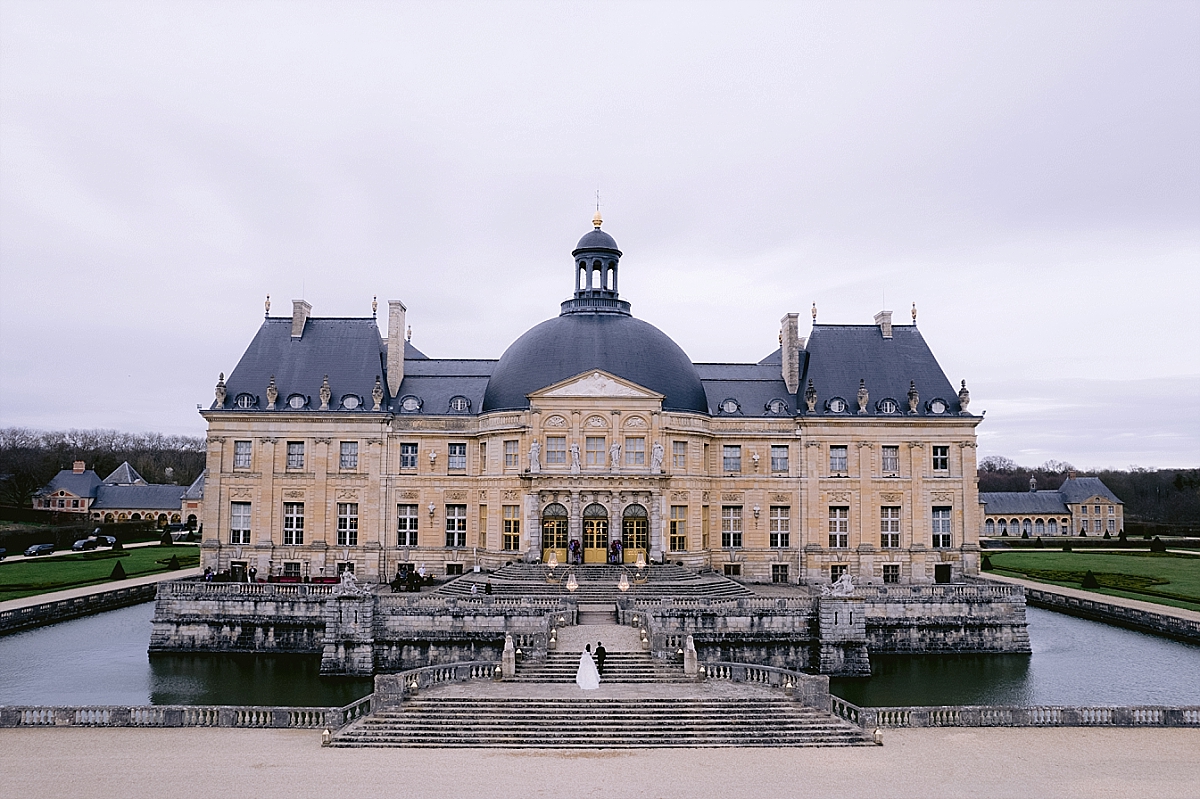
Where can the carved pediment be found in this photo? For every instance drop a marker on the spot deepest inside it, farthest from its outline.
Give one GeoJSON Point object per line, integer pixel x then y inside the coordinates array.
{"type": "Point", "coordinates": [596, 384]}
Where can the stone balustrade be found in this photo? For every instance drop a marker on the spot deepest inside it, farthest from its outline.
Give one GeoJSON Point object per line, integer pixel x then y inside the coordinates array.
{"type": "Point", "coordinates": [260, 717]}
{"type": "Point", "coordinates": [392, 689]}
{"type": "Point", "coordinates": [807, 689]}
{"type": "Point", "coordinates": [1017, 716]}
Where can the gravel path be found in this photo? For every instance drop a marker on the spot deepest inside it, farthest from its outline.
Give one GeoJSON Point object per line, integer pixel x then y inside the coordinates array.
{"type": "Point", "coordinates": [183, 763]}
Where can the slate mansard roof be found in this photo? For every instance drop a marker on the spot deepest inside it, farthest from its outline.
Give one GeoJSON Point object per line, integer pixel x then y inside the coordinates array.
{"type": "Point", "coordinates": [595, 331]}
{"type": "Point", "coordinates": [1073, 491]}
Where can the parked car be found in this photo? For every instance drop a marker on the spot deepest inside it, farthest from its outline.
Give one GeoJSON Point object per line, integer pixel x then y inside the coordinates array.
{"type": "Point", "coordinates": [39, 549]}
{"type": "Point", "coordinates": [105, 540]}
{"type": "Point", "coordinates": [3, 552]}
{"type": "Point", "coordinates": [84, 543]}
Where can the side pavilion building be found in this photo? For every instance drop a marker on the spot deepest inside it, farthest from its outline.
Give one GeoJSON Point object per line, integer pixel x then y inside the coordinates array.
{"type": "Point", "coordinates": [593, 437]}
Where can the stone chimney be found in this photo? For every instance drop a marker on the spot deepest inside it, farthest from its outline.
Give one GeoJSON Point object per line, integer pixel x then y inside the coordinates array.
{"type": "Point", "coordinates": [395, 352]}
{"type": "Point", "coordinates": [1071, 475]}
{"type": "Point", "coordinates": [884, 320]}
{"type": "Point", "coordinates": [78, 467]}
{"type": "Point", "coordinates": [300, 313]}
{"type": "Point", "coordinates": [791, 346]}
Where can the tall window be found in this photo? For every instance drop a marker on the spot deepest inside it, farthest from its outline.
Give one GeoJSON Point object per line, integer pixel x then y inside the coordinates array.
{"type": "Point", "coordinates": [635, 451]}
{"type": "Point", "coordinates": [512, 455]}
{"type": "Point", "coordinates": [295, 454]}
{"type": "Point", "coordinates": [731, 525]}
{"type": "Point", "coordinates": [1051, 526]}
{"type": "Point", "coordinates": [347, 524]}
{"type": "Point", "coordinates": [891, 460]}
{"type": "Point", "coordinates": [348, 457]}
{"type": "Point", "coordinates": [837, 459]}
{"type": "Point", "coordinates": [483, 526]}
{"type": "Point", "coordinates": [241, 454]}
{"type": "Point", "coordinates": [456, 525]}
{"type": "Point", "coordinates": [889, 526]}
{"type": "Point", "coordinates": [408, 456]}
{"type": "Point", "coordinates": [595, 451]}
{"type": "Point", "coordinates": [406, 525]}
{"type": "Point", "coordinates": [512, 528]}
{"type": "Point", "coordinates": [678, 530]}
{"type": "Point", "coordinates": [731, 457]}
{"type": "Point", "coordinates": [941, 528]}
{"type": "Point", "coordinates": [779, 458]}
{"type": "Point", "coordinates": [457, 457]}
{"type": "Point", "coordinates": [839, 527]}
{"type": "Point", "coordinates": [679, 456]}
{"type": "Point", "coordinates": [556, 450]}
{"type": "Point", "coordinates": [941, 459]}
{"type": "Point", "coordinates": [781, 526]}
{"type": "Point", "coordinates": [293, 524]}
{"type": "Point", "coordinates": [704, 527]}
{"type": "Point", "coordinates": [1112, 525]}
{"type": "Point", "coordinates": [239, 523]}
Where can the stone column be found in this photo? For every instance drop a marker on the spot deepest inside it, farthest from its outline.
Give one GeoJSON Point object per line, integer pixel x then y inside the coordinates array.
{"type": "Point", "coordinates": [533, 524]}
{"type": "Point", "coordinates": [656, 516]}
{"type": "Point", "coordinates": [575, 523]}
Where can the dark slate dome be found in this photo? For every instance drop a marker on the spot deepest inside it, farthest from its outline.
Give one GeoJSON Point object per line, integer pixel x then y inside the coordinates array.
{"type": "Point", "coordinates": [578, 342]}
{"type": "Point", "coordinates": [596, 239]}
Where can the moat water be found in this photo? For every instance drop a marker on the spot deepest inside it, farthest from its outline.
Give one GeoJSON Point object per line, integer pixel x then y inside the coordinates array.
{"type": "Point", "coordinates": [102, 659]}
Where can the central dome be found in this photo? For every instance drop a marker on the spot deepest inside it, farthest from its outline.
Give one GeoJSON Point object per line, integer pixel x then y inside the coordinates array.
{"type": "Point", "coordinates": [580, 342]}
{"type": "Point", "coordinates": [595, 331]}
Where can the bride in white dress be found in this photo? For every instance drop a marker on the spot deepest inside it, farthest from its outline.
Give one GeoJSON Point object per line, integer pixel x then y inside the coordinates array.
{"type": "Point", "coordinates": [587, 677]}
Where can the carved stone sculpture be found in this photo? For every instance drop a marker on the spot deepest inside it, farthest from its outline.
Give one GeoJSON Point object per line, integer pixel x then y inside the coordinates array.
{"type": "Point", "coordinates": [272, 394]}
{"type": "Point", "coordinates": [377, 394]}
{"type": "Point", "coordinates": [221, 391]}
{"type": "Point", "coordinates": [964, 397]}
{"type": "Point", "coordinates": [914, 399]}
{"type": "Point", "coordinates": [810, 396]}
{"type": "Point", "coordinates": [843, 586]}
{"type": "Point", "coordinates": [326, 394]}
{"type": "Point", "coordinates": [656, 458]}
{"type": "Point", "coordinates": [535, 457]}
{"type": "Point", "coordinates": [574, 458]}
{"type": "Point", "coordinates": [614, 456]}
{"type": "Point", "coordinates": [863, 396]}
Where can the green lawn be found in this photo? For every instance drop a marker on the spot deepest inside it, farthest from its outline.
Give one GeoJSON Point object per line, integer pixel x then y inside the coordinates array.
{"type": "Point", "coordinates": [40, 575]}
{"type": "Point", "coordinates": [1163, 577]}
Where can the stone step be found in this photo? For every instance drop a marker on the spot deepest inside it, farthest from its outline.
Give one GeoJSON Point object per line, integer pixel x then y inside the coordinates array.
{"type": "Point", "coordinates": [589, 723]}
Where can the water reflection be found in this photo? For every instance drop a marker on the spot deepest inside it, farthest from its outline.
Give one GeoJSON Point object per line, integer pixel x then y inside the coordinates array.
{"type": "Point", "coordinates": [102, 660]}
{"type": "Point", "coordinates": [1074, 662]}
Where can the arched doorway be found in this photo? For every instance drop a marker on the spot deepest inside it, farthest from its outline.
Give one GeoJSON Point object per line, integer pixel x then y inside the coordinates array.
{"type": "Point", "coordinates": [554, 532]}
{"type": "Point", "coordinates": [595, 534]}
{"type": "Point", "coordinates": [635, 533]}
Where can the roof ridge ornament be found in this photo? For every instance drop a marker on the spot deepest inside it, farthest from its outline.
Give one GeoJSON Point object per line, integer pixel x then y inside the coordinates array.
{"type": "Point", "coordinates": [272, 394]}
{"type": "Point", "coordinates": [326, 394]}
{"type": "Point", "coordinates": [914, 314]}
{"type": "Point", "coordinates": [377, 394]}
{"type": "Point", "coordinates": [814, 313]}
{"type": "Point", "coordinates": [267, 306]}
{"type": "Point", "coordinates": [810, 396]}
{"type": "Point", "coordinates": [914, 399]}
{"type": "Point", "coordinates": [221, 391]}
{"type": "Point", "coordinates": [863, 396]}
{"type": "Point", "coordinates": [964, 398]}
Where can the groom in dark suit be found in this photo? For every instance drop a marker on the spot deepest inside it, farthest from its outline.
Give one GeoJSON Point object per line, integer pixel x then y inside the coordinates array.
{"type": "Point", "coordinates": [600, 653]}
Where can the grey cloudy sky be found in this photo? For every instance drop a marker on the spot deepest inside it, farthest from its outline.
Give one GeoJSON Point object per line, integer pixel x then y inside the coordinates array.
{"type": "Point", "coordinates": [1027, 173]}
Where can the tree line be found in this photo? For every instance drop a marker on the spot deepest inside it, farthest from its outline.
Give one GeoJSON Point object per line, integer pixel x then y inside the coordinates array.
{"type": "Point", "coordinates": [29, 459]}
{"type": "Point", "coordinates": [1161, 496]}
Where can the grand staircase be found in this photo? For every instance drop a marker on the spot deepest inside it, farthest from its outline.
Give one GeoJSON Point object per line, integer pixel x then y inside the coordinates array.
{"type": "Point", "coordinates": [619, 667]}
{"type": "Point", "coordinates": [600, 723]}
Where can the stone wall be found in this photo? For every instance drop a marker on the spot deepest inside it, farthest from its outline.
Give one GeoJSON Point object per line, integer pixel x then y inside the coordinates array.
{"type": "Point", "coordinates": [1120, 615]}
{"type": "Point", "coordinates": [945, 619]}
{"type": "Point", "coordinates": [64, 609]}
{"type": "Point", "coordinates": [239, 617]}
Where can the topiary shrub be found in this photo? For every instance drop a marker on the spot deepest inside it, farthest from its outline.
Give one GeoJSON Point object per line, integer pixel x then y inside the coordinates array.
{"type": "Point", "coordinates": [1025, 534]}
{"type": "Point", "coordinates": [1107, 535]}
{"type": "Point", "coordinates": [166, 540]}
{"type": "Point", "coordinates": [173, 563]}
{"type": "Point", "coordinates": [1089, 580]}
{"type": "Point", "coordinates": [118, 572]}
{"type": "Point", "coordinates": [986, 565]}
{"type": "Point", "coordinates": [1157, 545]}
{"type": "Point", "coordinates": [1039, 543]}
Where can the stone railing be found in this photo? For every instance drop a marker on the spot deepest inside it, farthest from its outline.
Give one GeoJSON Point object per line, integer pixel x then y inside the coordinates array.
{"type": "Point", "coordinates": [52, 612]}
{"type": "Point", "coordinates": [201, 589]}
{"type": "Point", "coordinates": [883, 593]}
{"type": "Point", "coordinates": [721, 603]}
{"type": "Point", "coordinates": [807, 689]}
{"type": "Point", "coordinates": [1097, 609]}
{"type": "Point", "coordinates": [1016, 716]}
{"type": "Point", "coordinates": [184, 716]}
{"type": "Point", "coordinates": [392, 689]}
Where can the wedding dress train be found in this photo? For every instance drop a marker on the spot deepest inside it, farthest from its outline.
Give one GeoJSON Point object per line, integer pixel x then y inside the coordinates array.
{"type": "Point", "coordinates": [587, 677]}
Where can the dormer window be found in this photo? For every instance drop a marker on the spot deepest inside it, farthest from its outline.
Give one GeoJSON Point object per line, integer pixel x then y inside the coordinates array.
{"type": "Point", "coordinates": [777, 407]}
{"type": "Point", "coordinates": [729, 406]}
{"type": "Point", "coordinates": [887, 406]}
{"type": "Point", "coordinates": [297, 401]}
{"type": "Point", "coordinates": [244, 401]}
{"type": "Point", "coordinates": [410, 404]}
{"type": "Point", "coordinates": [459, 404]}
{"type": "Point", "coordinates": [350, 402]}
{"type": "Point", "coordinates": [937, 406]}
{"type": "Point", "coordinates": [836, 405]}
